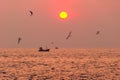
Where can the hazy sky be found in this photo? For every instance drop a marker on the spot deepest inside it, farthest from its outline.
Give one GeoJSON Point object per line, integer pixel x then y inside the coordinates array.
{"type": "Point", "coordinates": [45, 26]}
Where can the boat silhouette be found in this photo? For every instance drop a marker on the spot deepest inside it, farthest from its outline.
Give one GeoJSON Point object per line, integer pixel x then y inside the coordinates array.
{"type": "Point", "coordinates": [43, 50]}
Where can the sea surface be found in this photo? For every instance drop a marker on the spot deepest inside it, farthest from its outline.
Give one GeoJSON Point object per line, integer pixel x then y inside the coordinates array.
{"type": "Point", "coordinates": [60, 64]}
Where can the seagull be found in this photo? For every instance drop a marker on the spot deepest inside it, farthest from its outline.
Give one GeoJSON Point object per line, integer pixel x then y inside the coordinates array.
{"type": "Point", "coordinates": [98, 32]}
{"type": "Point", "coordinates": [31, 13]}
{"type": "Point", "coordinates": [69, 35]}
{"type": "Point", "coordinates": [19, 39]}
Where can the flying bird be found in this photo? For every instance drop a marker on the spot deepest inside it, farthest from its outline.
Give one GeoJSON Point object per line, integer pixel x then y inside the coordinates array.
{"type": "Point", "coordinates": [98, 32]}
{"type": "Point", "coordinates": [52, 42]}
{"type": "Point", "coordinates": [31, 13]}
{"type": "Point", "coordinates": [69, 35]}
{"type": "Point", "coordinates": [19, 39]}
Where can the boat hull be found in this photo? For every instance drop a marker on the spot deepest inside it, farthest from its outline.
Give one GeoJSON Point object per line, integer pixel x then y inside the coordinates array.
{"type": "Point", "coordinates": [46, 50]}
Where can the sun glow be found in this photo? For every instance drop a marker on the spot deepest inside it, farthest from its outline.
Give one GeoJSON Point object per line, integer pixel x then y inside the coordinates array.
{"type": "Point", "coordinates": [63, 15]}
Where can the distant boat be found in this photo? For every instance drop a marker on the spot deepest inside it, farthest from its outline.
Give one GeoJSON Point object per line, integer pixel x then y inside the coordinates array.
{"type": "Point", "coordinates": [56, 47]}
{"type": "Point", "coordinates": [43, 50]}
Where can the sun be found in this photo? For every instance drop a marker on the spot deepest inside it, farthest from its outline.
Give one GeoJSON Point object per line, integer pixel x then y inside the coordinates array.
{"type": "Point", "coordinates": [63, 15]}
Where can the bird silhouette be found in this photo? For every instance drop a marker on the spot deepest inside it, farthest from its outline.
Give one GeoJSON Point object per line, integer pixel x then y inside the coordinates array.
{"type": "Point", "coordinates": [52, 42]}
{"type": "Point", "coordinates": [19, 39]}
{"type": "Point", "coordinates": [69, 35]}
{"type": "Point", "coordinates": [31, 13]}
{"type": "Point", "coordinates": [98, 32]}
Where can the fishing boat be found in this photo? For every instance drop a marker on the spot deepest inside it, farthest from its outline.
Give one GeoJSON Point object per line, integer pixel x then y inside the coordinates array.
{"type": "Point", "coordinates": [43, 50]}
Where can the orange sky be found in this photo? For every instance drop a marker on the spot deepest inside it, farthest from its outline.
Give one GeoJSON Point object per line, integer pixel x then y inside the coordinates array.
{"type": "Point", "coordinates": [44, 27]}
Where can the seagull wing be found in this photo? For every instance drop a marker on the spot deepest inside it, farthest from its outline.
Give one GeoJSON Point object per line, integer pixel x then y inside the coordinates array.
{"type": "Point", "coordinates": [98, 32]}
{"type": "Point", "coordinates": [19, 39]}
{"type": "Point", "coordinates": [31, 13]}
{"type": "Point", "coordinates": [68, 35]}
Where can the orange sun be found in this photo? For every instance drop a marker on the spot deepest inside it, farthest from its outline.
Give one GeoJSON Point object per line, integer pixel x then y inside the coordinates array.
{"type": "Point", "coordinates": [63, 15]}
